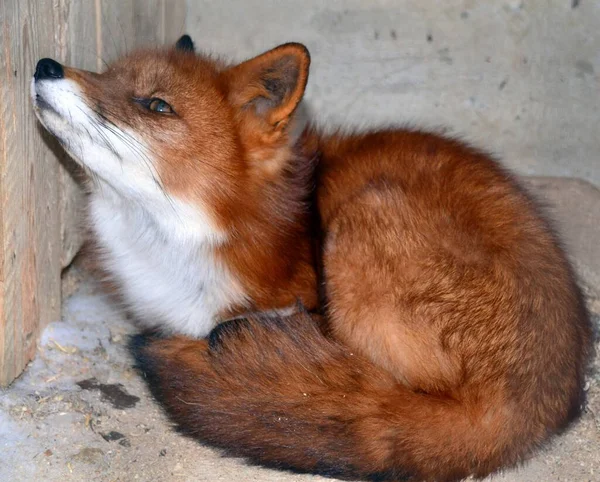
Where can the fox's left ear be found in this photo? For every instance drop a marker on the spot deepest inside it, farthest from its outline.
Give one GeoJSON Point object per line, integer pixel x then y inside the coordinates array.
{"type": "Point", "coordinates": [185, 43]}
{"type": "Point", "coordinates": [272, 84]}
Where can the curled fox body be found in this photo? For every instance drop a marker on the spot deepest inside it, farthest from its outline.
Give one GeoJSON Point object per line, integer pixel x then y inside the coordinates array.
{"type": "Point", "coordinates": [452, 339]}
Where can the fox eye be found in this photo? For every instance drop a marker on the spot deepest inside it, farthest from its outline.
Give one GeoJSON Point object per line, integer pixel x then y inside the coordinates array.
{"type": "Point", "coordinates": [160, 106]}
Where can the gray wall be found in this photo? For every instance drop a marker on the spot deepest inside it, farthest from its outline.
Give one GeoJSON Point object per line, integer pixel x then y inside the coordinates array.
{"type": "Point", "coordinates": [520, 78]}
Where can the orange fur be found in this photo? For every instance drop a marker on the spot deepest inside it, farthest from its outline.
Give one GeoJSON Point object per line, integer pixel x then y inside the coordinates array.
{"type": "Point", "coordinates": [454, 338]}
{"type": "Point", "coordinates": [461, 338]}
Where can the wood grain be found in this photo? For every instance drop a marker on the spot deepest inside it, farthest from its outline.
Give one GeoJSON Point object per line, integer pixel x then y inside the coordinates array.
{"type": "Point", "coordinates": [40, 199]}
{"type": "Point", "coordinates": [148, 24]}
{"type": "Point", "coordinates": [117, 34]}
{"type": "Point", "coordinates": [30, 251]}
{"type": "Point", "coordinates": [174, 13]}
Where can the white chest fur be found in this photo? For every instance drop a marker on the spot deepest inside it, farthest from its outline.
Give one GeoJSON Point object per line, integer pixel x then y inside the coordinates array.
{"type": "Point", "coordinates": [164, 264]}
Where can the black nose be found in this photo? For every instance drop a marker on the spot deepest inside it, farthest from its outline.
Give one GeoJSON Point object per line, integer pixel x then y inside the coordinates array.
{"type": "Point", "coordinates": [48, 69]}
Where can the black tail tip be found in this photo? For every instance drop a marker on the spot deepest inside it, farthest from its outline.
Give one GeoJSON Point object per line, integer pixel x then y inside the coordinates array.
{"type": "Point", "coordinates": [138, 347]}
{"type": "Point", "coordinates": [146, 363]}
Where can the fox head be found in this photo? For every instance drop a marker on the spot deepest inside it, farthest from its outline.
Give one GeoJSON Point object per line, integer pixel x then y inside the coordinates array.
{"type": "Point", "coordinates": [169, 127]}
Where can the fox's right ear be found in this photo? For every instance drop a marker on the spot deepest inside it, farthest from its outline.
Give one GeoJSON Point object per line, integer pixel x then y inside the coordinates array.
{"type": "Point", "coordinates": [185, 43]}
{"type": "Point", "coordinates": [272, 84]}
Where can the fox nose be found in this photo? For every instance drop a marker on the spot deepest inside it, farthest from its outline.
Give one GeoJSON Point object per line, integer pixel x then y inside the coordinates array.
{"type": "Point", "coordinates": [48, 69]}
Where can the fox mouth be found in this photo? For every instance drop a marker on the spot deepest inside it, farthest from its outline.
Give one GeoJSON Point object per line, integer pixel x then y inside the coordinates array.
{"type": "Point", "coordinates": [54, 122]}
{"type": "Point", "coordinates": [43, 107]}
{"type": "Point", "coordinates": [40, 104]}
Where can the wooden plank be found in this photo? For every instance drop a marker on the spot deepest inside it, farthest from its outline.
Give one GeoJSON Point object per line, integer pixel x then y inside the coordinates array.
{"type": "Point", "coordinates": [29, 189]}
{"type": "Point", "coordinates": [131, 24]}
{"type": "Point", "coordinates": [148, 25]}
{"type": "Point", "coordinates": [158, 22]}
{"type": "Point", "coordinates": [77, 45]}
{"type": "Point", "coordinates": [174, 13]}
{"type": "Point", "coordinates": [40, 202]}
{"type": "Point", "coordinates": [116, 24]}
{"type": "Point", "coordinates": [79, 41]}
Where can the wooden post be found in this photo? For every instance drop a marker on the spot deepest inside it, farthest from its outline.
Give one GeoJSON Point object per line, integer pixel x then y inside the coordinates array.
{"type": "Point", "coordinates": [30, 250]}
{"type": "Point", "coordinates": [40, 203]}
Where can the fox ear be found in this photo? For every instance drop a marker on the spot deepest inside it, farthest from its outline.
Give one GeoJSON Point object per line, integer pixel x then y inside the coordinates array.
{"type": "Point", "coordinates": [185, 43]}
{"type": "Point", "coordinates": [271, 84]}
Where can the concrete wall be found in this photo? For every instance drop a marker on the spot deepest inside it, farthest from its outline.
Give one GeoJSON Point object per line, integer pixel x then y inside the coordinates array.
{"type": "Point", "coordinates": [520, 78]}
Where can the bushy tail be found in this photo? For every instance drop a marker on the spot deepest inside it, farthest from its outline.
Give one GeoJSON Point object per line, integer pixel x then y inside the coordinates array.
{"type": "Point", "coordinates": [279, 393]}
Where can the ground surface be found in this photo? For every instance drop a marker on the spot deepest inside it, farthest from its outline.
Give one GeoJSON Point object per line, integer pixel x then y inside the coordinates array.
{"type": "Point", "coordinates": [81, 413]}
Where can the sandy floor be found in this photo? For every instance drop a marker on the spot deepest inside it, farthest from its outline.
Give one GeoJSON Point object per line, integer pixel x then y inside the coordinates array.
{"type": "Point", "coordinates": [81, 413]}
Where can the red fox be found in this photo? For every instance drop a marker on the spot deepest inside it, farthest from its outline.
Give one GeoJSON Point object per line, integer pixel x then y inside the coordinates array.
{"type": "Point", "coordinates": [382, 305]}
